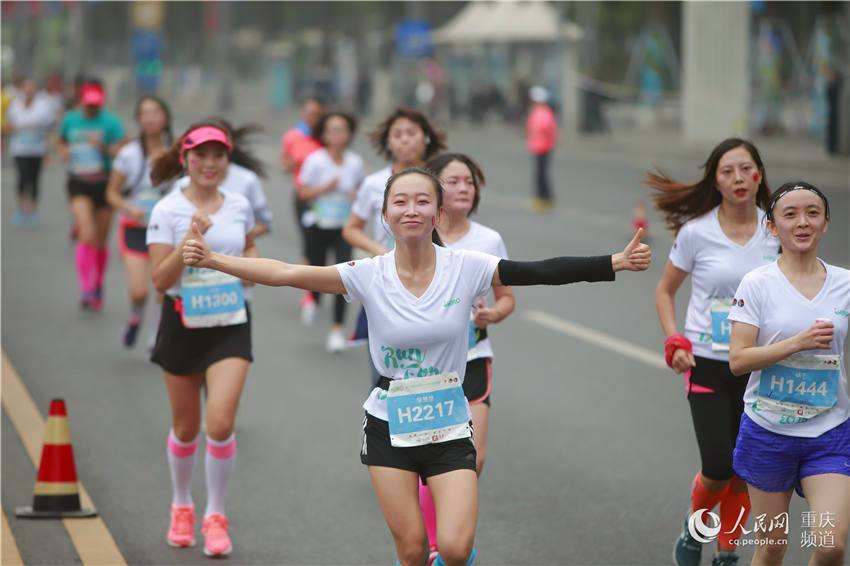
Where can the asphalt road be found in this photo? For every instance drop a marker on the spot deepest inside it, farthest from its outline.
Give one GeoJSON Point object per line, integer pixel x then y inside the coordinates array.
{"type": "Point", "coordinates": [591, 450]}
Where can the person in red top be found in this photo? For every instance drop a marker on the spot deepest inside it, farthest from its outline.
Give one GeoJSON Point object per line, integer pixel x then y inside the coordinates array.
{"type": "Point", "coordinates": [296, 145]}
{"type": "Point", "coordinates": [541, 134]}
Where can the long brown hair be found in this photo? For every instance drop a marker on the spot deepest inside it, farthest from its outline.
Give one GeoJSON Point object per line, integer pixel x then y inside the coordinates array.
{"type": "Point", "coordinates": [435, 182]}
{"type": "Point", "coordinates": [680, 202]}
{"type": "Point", "coordinates": [167, 166]}
{"type": "Point", "coordinates": [435, 140]}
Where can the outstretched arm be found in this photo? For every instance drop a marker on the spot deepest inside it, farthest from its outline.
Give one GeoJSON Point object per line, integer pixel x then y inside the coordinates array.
{"type": "Point", "coordinates": [564, 270]}
{"type": "Point", "coordinates": [261, 270]}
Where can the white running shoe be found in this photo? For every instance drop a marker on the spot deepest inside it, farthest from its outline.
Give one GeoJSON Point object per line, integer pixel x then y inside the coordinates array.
{"type": "Point", "coordinates": [336, 341]}
{"type": "Point", "coordinates": [308, 309]}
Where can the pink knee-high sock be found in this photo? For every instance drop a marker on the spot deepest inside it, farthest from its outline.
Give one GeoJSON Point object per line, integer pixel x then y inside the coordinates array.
{"type": "Point", "coordinates": [429, 513]}
{"type": "Point", "coordinates": [102, 259]}
{"type": "Point", "coordinates": [86, 259]}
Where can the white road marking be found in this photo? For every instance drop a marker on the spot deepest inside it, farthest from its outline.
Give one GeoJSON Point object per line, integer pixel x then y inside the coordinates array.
{"type": "Point", "coordinates": [597, 338]}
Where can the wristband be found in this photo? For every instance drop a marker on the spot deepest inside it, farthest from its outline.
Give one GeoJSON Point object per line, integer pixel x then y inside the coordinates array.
{"type": "Point", "coordinates": [673, 343]}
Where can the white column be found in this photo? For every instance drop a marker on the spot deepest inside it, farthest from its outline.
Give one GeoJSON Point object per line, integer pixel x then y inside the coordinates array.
{"type": "Point", "coordinates": [716, 78]}
{"type": "Point", "coordinates": [570, 92]}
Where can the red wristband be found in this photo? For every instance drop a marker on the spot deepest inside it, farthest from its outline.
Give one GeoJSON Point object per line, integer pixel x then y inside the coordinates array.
{"type": "Point", "coordinates": [673, 343]}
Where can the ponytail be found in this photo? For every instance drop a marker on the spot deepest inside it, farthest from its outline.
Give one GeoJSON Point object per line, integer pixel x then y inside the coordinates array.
{"type": "Point", "coordinates": [240, 137]}
{"type": "Point", "coordinates": [167, 166]}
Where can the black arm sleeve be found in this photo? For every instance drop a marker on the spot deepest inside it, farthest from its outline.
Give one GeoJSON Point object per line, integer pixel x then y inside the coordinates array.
{"type": "Point", "coordinates": [556, 271]}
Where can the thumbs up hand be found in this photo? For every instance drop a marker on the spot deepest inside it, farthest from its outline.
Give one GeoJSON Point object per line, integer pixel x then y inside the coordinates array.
{"type": "Point", "coordinates": [635, 257]}
{"type": "Point", "coordinates": [196, 252]}
{"type": "Point", "coordinates": [202, 220]}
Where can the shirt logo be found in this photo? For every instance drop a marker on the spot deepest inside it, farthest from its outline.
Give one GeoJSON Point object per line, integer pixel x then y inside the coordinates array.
{"type": "Point", "coordinates": [351, 264]}
{"type": "Point", "coordinates": [451, 302]}
{"type": "Point", "coordinates": [737, 302]}
{"type": "Point", "coordinates": [153, 227]}
{"type": "Point", "coordinates": [843, 313]}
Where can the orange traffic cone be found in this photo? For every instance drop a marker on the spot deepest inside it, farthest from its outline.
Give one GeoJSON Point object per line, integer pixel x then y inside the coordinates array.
{"type": "Point", "coordinates": [56, 493]}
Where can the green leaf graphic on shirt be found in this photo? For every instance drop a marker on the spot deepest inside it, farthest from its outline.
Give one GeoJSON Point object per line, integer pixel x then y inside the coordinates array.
{"type": "Point", "coordinates": [409, 359]}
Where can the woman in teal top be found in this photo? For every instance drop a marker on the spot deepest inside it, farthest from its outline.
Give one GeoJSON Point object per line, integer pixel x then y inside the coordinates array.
{"type": "Point", "coordinates": [89, 138]}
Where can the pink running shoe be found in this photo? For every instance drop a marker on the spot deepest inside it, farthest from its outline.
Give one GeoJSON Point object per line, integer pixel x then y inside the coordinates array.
{"type": "Point", "coordinates": [216, 540]}
{"type": "Point", "coordinates": [181, 533]}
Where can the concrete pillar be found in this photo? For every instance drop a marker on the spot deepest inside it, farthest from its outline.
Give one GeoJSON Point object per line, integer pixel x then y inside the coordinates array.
{"type": "Point", "coordinates": [571, 102]}
{"type": "Point", "coordinates": [716, 77]}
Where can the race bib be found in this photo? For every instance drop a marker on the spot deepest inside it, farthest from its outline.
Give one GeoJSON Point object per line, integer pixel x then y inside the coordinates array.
{"type": "Point", "coordinates": [211, 298]}
{"type": "Point", "coordinates": [800, 387]}
{"type": "Point", "coordinates": [427, 410]}
{"type": "Point", "coordinates": [721, 328]}
{"type": "Point", "coordinates": [85, 159]}
{"type": "Point", "coordinates": [332, 211]}
{"type": "Point", "coordinates": [146, 199]}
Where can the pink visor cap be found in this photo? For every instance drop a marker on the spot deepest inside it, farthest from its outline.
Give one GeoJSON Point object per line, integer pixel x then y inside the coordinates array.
{"type": "Point", "coordinates": [203, 135]}
{"type": "Point", "coordinates": [92, 95]}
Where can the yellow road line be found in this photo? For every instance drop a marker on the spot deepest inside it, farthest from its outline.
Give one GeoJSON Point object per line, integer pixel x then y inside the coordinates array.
{"type": "Point", "coordinates": [91, 538]}
{"type": "Point", "coordinates": [9, 555]}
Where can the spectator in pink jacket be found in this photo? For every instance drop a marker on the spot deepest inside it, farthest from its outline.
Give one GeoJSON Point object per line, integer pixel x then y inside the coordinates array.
{"type": "Point", "coordinates": [541, 133]}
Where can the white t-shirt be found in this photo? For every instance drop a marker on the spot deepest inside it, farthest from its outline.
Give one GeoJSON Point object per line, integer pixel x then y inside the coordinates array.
{"type": "Point", "coordinates": [132, 163]}
{"type": "Point", "coordinates": [480, 238]}
{"type": "Point", "coordinates": [172, 218]}
{"type": "Point", "coordinates": [716, 265]}
{"type": "Point", "coordinates": [31, 124]}
{"type": "Point", "coordinates": [136, 168]}
{"type": "Point", "coordinates": [242, 181]}
{"type": "Point", "coordinates": [767, 300]}
{"type": "Point", "coordinates": [417, 337]}
{"type": "Point", "coordinates": [369, 202]}
{"type": "Point", "coordinates": [330, 210]}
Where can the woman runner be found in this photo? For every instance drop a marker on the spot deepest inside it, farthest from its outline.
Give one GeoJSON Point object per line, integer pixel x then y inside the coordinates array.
{"type": "Point", "coordinates": [29, 119]}
{"type": "Point", "coordinates": [329, 180]}
{"type": "Point", "coordinates": [720, 236]}
{"type": "Point", "coordinates": [419, 297]}
{"type": "Point", "coordinates": [89, 138]}
{"type": "Point", "coordinates": [205, 331]}
{"type": "Point", "coordinates": [131, 192]}
{"type": "Point", "coordinates": [789, 328]}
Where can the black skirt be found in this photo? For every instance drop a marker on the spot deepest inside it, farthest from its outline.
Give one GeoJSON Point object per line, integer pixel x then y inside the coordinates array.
{"type": "Point", "coordinates": [186, 351]}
